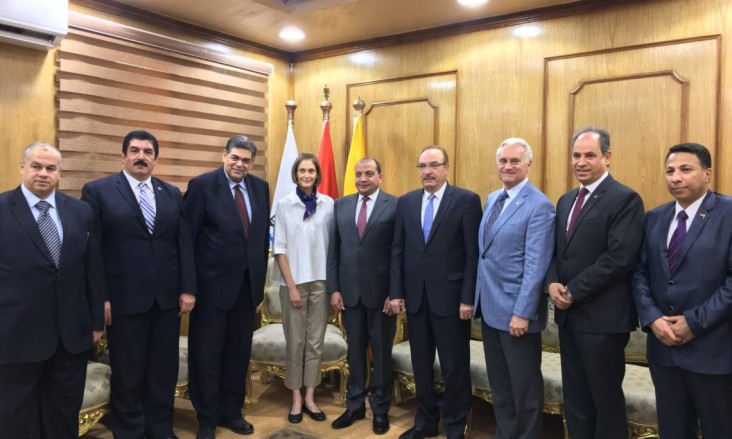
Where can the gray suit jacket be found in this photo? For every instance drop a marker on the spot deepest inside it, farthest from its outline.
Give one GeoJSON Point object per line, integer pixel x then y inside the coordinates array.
{"type": "Point", "coordinates": [359, 268]}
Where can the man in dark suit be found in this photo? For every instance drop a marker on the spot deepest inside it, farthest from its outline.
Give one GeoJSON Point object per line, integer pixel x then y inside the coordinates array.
{"type": "Point", "coordinates": [228, 212]}
{"type": "Point", "coordinates": [598, 232]}
{"type": "Point", "coordinates": [433, 270]}
{"type": "Point", "coordinates": [150, 277]}
{"type": "Point", "coordinates": [683, 292]}
{"type": "Point", "coordinates": [516, 241]}
{"type": "Point", "coordinates": [51, 305]}
{"type": "Point", "coordinates": [359, 259]}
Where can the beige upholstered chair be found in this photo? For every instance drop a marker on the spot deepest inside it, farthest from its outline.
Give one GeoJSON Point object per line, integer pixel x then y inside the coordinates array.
{"type": "Point", "coordinates": [96, 396]}
{"type": "Point", "coordinates": [268, 342]}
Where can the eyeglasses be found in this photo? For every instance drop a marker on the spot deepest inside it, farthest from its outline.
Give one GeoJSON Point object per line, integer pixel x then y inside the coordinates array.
{"type": "Point", "coordinates": [433, 165]}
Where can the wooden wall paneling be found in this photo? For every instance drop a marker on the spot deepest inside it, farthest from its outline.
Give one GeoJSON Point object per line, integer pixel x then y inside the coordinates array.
{"type": "Point", "coordinates": [648, 97]}
{"type": "Point", "coordinates": [403, 116]}
{"type": "Point", "coordinates": [109, 86]}
{"type": "Point", "coordinates": [27, 105]}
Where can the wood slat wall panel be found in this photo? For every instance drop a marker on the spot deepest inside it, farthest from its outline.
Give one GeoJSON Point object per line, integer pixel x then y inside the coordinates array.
{"type": "Point", "coordinates": [107, 87]}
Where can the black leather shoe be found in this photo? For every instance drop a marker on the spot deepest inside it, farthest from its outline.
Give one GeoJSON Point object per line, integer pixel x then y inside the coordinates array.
{"type": "Point", "coordinates": [381, 423]}
{"type": "Point", "coordinates": [238, 425]}
{"type": "Point", "coordinates": [206, 433]}
{"type": "Point", "coordinates": [315, 416]}
{"type": "Point", "coordinates": [294, 419]}
{"type": "Point", "coordinates": [418, 433]}
{"type": "Point", "coordinates": [348, 418]}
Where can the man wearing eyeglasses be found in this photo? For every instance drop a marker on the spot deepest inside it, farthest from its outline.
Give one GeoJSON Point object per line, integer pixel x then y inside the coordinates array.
{"type": "Point", "coordinates": [228, 213]}
{"type": "Point", "coordinates": [433, 272]}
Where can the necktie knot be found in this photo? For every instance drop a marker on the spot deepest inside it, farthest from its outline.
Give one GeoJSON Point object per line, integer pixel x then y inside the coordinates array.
{"type": "Point", "coordinates": [148, 208]}
{"type": "Point", "coordinates": [43, 206]}
{"type": "Point", "coordinates": [682, 216]}
{"type": "Point", "coordinates": [503, 196]}
{"type": "Point", "coordinates": [365, 199]}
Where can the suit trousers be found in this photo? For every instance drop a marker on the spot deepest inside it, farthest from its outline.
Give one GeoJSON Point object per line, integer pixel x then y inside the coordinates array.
{"type": "Point", "coordinates": [41, 400]}
{"type": "Point", "coordinates": [304, 334]}
{"type": "Point", "coordinates": [517, 385]}
{"type": "Point", "coordinates": [143, 351]}
{"type": "Point", "coordinates": [686, 400]}
{"type": "Point", "coordinates": [220, 346]}
{"type": "Point", "coordinates": [364, 325]}
{"type": "Point", "coordinates": [451, 337]}
{"type": "Point", "coordinates": [593, 369]}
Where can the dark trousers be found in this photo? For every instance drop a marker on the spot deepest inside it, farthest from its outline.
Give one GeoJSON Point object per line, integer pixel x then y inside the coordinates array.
{"type": "Point", "coordinates": [41, 400]}
{"type": "Point", "coordinates": [143, 350]}
{"type": "Point", "coordinates": [517, 385]}
{"type": "Point", "coordinates": [686, 400]}
{"type": "Point", "coordinates": [451, 337]}
{"type": "Point", "coordinates": [364, 325]}
{"type": "Point", "coordinates": [593, 368]}
{"type": "Point", "coordinates": [220, 345]}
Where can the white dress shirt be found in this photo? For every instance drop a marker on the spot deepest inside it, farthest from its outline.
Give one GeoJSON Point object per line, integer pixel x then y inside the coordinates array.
{"type": "Point", "coordinates": [232, 185]}
{"type": "Point", "coordinates": [32, 200]}
{"type": "Point", "coordinates": [435, 203]}
{"type": "Point", "coordinates": [135, 186]}
{"type": "Point", "coordinates": [591, 188]}
{"type": "Point", "coordinates": [304, 242]}
{"type": "Point", "coordinates": [690, 211]}
{"type": "Point", "coordinates": [369, 205]}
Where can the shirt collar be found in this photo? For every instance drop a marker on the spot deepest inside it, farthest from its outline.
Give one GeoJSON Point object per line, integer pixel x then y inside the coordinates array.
{"type": "Point", "coordinates": [135, 182]}
{"type": "Point", "coordinates": [591, 187]}
{"type": "Point", "coordinates": [232, 183]}
{"type": "Point", "coordinates": [692, 209]}
{"type": "Point", "coordinates": [514, 191]}
{"type": "Point", "coordinates": [438, 194]}
{"type": "Point", "coordinates": [372, 197]}
{"type": "Point", "coordinates": [33, 199]}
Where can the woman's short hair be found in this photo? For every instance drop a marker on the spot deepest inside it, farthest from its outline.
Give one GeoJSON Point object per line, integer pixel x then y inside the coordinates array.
{"type": "Point", "coordinates": [307, 156]}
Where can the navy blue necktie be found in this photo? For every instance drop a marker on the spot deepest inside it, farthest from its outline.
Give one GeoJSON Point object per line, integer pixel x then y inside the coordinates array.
{"type": "Point", "coordinates": [493, 215]}
{"type": "Point", "coordinates": [677, 240]}
{"type": "Point", "coordinates": [429, 213]}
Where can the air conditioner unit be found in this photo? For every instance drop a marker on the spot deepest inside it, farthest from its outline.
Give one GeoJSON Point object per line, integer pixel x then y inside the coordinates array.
{"type": "Point", "coordinates": [38, 24]}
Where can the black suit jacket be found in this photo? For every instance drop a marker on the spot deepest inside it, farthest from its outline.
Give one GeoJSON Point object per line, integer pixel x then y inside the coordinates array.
{"type": "Point", "coordinates": [221, 250]}
{"type": "Point", "coordinates": [446, 266]}
{"type": "Point", "coordinates": [141, 268]}
{"type": "Point", "coordinates": [359, 268]}
{"type": "Point", "coordinates": [597, 260]}
{"type": "Point", "coordinates": [39, 303]}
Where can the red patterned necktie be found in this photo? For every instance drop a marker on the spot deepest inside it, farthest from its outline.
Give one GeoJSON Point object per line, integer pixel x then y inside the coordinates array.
{"type": "Point", "coordinates": [577, 209]}
{"type": "Point", "coordinates": [677, 240]}
{"type": "Point", "coordinates": [241, 207]}
{"type": "Point", "coordinates": [361, 223]}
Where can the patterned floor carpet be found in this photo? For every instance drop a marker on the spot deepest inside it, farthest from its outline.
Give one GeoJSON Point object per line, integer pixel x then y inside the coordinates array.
{"type": "Point", "coordinates": [291, 433]}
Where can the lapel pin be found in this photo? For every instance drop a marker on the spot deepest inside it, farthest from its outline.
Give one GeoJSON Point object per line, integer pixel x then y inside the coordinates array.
{"type": "Point", "coordinates": [703, 215]}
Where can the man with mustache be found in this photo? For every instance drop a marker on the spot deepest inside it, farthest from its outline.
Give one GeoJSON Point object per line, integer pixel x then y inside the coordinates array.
{"type": "Point", "coordinates": [149, 268]}
{"type": "Point", "coordinates": [598, 232]}
{"type": "Point", "coordinates": [433, 272]}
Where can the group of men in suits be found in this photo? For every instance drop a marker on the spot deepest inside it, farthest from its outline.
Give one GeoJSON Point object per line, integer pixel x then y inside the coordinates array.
{"type": "Point", "coordinates": [135, 255]}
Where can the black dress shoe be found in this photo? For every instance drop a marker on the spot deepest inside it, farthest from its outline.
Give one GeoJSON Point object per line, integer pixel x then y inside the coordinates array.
{"type": "Point", "coordinates": [418, 433]}
{"type": "Point", "coordinates": [348, 418]}
{"type": "Point", "coordinates": [381, 423]}
{"type": "Point", "coordinates": [206, 433]}
{"type": "Point", "coordinates": [237, 425]}
{"type": "Point", "coordinates": [315, 416]}
{"type": "Point", "coordinates": [294, 419]}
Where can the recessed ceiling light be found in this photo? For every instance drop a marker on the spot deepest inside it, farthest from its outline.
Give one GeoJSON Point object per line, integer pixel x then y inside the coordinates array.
{"type": "Point", "coordinates": [472, 3]}
{"type": "Point", "coordinates": [291, 34]}
{"type": "Point", "coordinates": [527, 31]}
{"type": "Point", "coordinates": [366, 58]}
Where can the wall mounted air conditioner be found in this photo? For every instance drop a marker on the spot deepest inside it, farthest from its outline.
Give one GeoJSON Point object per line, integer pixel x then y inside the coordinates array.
{"type": "Point", "coordinates": [38, 24]}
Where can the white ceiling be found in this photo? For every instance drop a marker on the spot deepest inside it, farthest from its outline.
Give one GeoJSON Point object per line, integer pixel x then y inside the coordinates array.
{"type": "Point", "coordinates": [328, 22]}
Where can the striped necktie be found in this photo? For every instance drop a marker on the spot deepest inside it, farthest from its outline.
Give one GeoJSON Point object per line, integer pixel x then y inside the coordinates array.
{"type": "Point", "coordinates": [49, 231]}
{"type": "Point", "coordinates": [148, 210]}
{"type": "Point", "coordinates": [677, 240]}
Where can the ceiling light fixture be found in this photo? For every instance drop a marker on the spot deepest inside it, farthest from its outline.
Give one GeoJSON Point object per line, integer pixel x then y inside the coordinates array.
{"type": "Point", "coordinates": [365, 58]}
{"type": "Point", "coordinates": [472, 3]}
{"type": "Point", "coordinates": [292, 34]}
{"type": "Point", "coordinates": [528, 31]}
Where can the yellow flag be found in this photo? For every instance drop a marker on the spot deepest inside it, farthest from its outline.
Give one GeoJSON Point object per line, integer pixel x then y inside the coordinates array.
{"type": "Point", "coordinates": [356, 153]}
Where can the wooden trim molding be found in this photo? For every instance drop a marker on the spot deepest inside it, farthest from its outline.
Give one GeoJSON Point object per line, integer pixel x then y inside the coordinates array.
{"type": "Point", "coordinates": [435, 108]}
{"type": "Point", "coordinates": [111, 29]}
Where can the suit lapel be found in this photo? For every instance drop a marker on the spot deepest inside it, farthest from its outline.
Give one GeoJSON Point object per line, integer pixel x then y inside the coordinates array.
{"type": "Point", "coordinates": [661, 234]}
{"type": "Point", "coordinates": [22, 212]}
{"type": "Point", "coordinates": [703, 215]}
{"type": "Point", "coordinates": [444, 207]}
{"type": "Point", "coordinates": [512, 207]}
{"type": "Point", "coordinates": [125, 191]}
{"type": "Point", "coordinates": [591, 202]}
{"type": "Point", "coordinates": [350, 213]}
{"type": "Point", "coordinates": [416, 215]}
{"type": "Point", "coordinates": [67, 223]}
{"type": "Point", "coordinates": [227, 200]}
{"type": "Point", "coordinates": [379, 206]}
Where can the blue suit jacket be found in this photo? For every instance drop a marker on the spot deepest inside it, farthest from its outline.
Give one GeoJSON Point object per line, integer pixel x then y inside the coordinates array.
{"type": "Point", "coordinates": [141, 268]}
{"type": "Point", "coordinates": [444, 267]}
{"type": "Point", "coordinates": [513, 262]}
{"type": "Point", "coordinates": [41, 305]}
{"type": "Point", "coordinates": [700, 288]}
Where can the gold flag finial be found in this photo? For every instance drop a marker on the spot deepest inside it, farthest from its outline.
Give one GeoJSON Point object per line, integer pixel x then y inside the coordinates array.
{"type": "Point", "coordinates": [291, 106]}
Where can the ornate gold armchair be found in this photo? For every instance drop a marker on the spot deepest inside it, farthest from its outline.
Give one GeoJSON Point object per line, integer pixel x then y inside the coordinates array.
{"type": "Point", "coordinates": [268, 342]}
